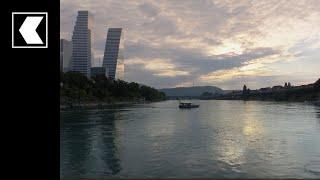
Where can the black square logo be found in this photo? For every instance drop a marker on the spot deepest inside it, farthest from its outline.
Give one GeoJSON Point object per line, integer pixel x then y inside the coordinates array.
{"type": "Point", "coordinates": [29, 29]}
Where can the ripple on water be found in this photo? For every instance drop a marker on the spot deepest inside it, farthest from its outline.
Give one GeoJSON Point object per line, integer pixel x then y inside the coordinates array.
{"type": "Point", "coordinates": [313, 167]}
{"type": "Point", "coordinates": [229, 139]}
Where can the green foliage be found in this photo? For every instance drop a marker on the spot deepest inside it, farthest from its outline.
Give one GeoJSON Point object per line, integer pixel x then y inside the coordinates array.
{"type": "Point", "coordinates": [207, 94]}
{"type": "Point", "coordinates": [77, 88]}
{"type": "Point", "coordinates": [317, 84]}
{"type": "Point", "coordinates": [310, 92]}
{"type": "Point", "coordinates": [150, 93]}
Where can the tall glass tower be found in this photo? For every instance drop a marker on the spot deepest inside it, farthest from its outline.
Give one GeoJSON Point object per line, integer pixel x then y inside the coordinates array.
{"type": "Point", "coordinates": [65, 55]}
{"type": "Point", "coordinates": [81, 43]}
{"type": "Point", "coordinates": [113, 59]}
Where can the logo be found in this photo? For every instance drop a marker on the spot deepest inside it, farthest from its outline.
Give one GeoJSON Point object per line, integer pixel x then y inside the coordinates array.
{"type": "Point", "coordinates": [29, 30]}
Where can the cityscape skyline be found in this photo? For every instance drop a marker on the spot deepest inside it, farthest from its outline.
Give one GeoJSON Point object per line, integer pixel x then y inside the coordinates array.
{"type": "Point", "coordinates": [76, 54]}
{"type": "Point", "coordinates": [221, 43]}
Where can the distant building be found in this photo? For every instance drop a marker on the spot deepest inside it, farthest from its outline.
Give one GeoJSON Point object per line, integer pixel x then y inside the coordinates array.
{"type": "Point", "coordinates": [81, 43]}
{"type": "Point", "coordinates": [265, 90]}
{"type": "Point", "coordinates": [65, 55]}
{"type": "Point", "coordinates": [113, 59]}
{"type": "Point", "coordinates": [244, 90]}
{"type": "Point", "coordinates": [287, 85]}
{"type": "Point", "coordinates": [277, 87]}
{"type": "Point", "coordinates": [98, 71]}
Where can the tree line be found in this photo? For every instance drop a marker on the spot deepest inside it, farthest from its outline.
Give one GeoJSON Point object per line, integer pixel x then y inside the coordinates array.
{"type": "Point", "coordinates": [287, 92]}
{"type": "Point", "coordinates": [310, 92]}
{"type": "Point", "coordinates": [77, 88]}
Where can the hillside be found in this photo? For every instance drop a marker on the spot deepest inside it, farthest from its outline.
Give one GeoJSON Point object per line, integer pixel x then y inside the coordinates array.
{"type": "Point", "coordinates": [190, 91]}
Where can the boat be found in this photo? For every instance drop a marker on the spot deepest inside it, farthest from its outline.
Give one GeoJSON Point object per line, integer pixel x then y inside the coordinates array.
{"type": "Point", "coordinates": [317, 103]}
{"type": "Point", "coordinates": [187, 105]}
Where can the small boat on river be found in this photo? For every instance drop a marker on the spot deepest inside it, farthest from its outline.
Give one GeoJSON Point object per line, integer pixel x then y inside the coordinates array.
{"type": "Point", "coordinates": [188, 105]}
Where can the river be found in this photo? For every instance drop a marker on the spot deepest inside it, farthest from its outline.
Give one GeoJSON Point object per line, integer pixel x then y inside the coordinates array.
{"type": "Point", "coordinates": [231, 139]}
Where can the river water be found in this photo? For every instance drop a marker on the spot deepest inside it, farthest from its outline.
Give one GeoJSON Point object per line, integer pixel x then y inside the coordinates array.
{"type": "Point", "coordinates": [231, 139]}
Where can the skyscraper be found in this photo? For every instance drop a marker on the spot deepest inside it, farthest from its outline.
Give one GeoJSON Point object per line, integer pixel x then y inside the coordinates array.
{"type": "Point", "coordinates": [81, 43]}
{"type": "Point", "coordinates": [65, 55]}
{"type": "Point", "coordinates": [98, 71]}
{"type": "Point", "coordinates": [113, 54]}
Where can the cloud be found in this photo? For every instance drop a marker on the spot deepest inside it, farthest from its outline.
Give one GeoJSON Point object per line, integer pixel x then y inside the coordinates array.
{"type": "Point", "coordinates": [148, 9]}
{"type": "Point", "coordinates": [160, 67]}
{"type": "Point", "coordinates": [207, 42]}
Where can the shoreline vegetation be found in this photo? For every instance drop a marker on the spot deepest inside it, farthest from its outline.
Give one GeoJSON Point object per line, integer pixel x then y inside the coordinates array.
{"type": "Point", "coordinates": [99, 105]}
{"type": "Point", "coordinates": [303, 93]}
{"type": "Point", "coordinates": [78, 91]}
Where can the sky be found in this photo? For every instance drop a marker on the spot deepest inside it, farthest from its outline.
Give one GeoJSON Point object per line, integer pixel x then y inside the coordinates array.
{"type": "Point", "coordinates": [223, 43]}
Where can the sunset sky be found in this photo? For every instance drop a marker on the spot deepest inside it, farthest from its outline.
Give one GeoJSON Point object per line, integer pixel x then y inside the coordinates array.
{"type": "Point", "coordinates": [225, 43]}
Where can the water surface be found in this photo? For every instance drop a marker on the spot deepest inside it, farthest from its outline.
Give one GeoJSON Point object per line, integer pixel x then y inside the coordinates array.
{"type": "Point", "coordinates": [219, 139]}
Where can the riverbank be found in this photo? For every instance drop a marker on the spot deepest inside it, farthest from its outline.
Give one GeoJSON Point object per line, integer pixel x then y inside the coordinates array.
{"type": "Point", "coordinates": [99, 105]}
{"type": "Point", "coordinates": [285, 96]}
{"type": "Point", "coordinates": [78, 91]}
{"type": "Point", "coordinates": [303, 93]}
{"type": "Point", "coordinates": [308, 102]}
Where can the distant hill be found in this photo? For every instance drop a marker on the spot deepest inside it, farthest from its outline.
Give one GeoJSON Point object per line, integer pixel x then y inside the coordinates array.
{"type": "Point", "coordinates": [190, 91]}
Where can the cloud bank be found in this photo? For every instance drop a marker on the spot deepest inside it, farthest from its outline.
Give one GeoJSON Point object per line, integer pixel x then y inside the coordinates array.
{"type": "Point", "coordinates": [226, 43]}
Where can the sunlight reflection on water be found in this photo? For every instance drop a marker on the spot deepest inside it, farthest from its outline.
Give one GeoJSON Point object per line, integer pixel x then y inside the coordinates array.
{"type": "Point", "coordinates": [219, 139]}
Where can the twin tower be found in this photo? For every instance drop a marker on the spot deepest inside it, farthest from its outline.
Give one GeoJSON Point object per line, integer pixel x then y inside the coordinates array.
{"type": "Point", "coordinates": [82, 55]}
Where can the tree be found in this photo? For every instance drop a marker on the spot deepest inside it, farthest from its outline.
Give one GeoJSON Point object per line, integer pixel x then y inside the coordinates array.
{"type": "Point", "coordinates": [78, 88]}
{"type": "Point", "coordinates": [317, 84]}
{"type": "Point", "coordinates": [206, 94]}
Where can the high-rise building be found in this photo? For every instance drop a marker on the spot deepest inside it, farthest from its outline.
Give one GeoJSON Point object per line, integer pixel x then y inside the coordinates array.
{"type": "Point", "coordinates": [65, 55]}
{"type": "Point", "coordinates": [113, 59]}
{"type": "Point", "coordinates": [97, 71]}
{"type": "Point", "coordinates": [81, 43]}
{"type": "Point", "coordinates": [120, 65]}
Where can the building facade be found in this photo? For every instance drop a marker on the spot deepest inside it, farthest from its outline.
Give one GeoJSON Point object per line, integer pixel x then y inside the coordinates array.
{"type": "Point", "coordinates": [65, 55]}
{"type": "Point", "coordinates": [98, 71]}
{"type": "Point", "coordinates": [81, 43]}
{"type": "Point", "coordinates": [113, 59]}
